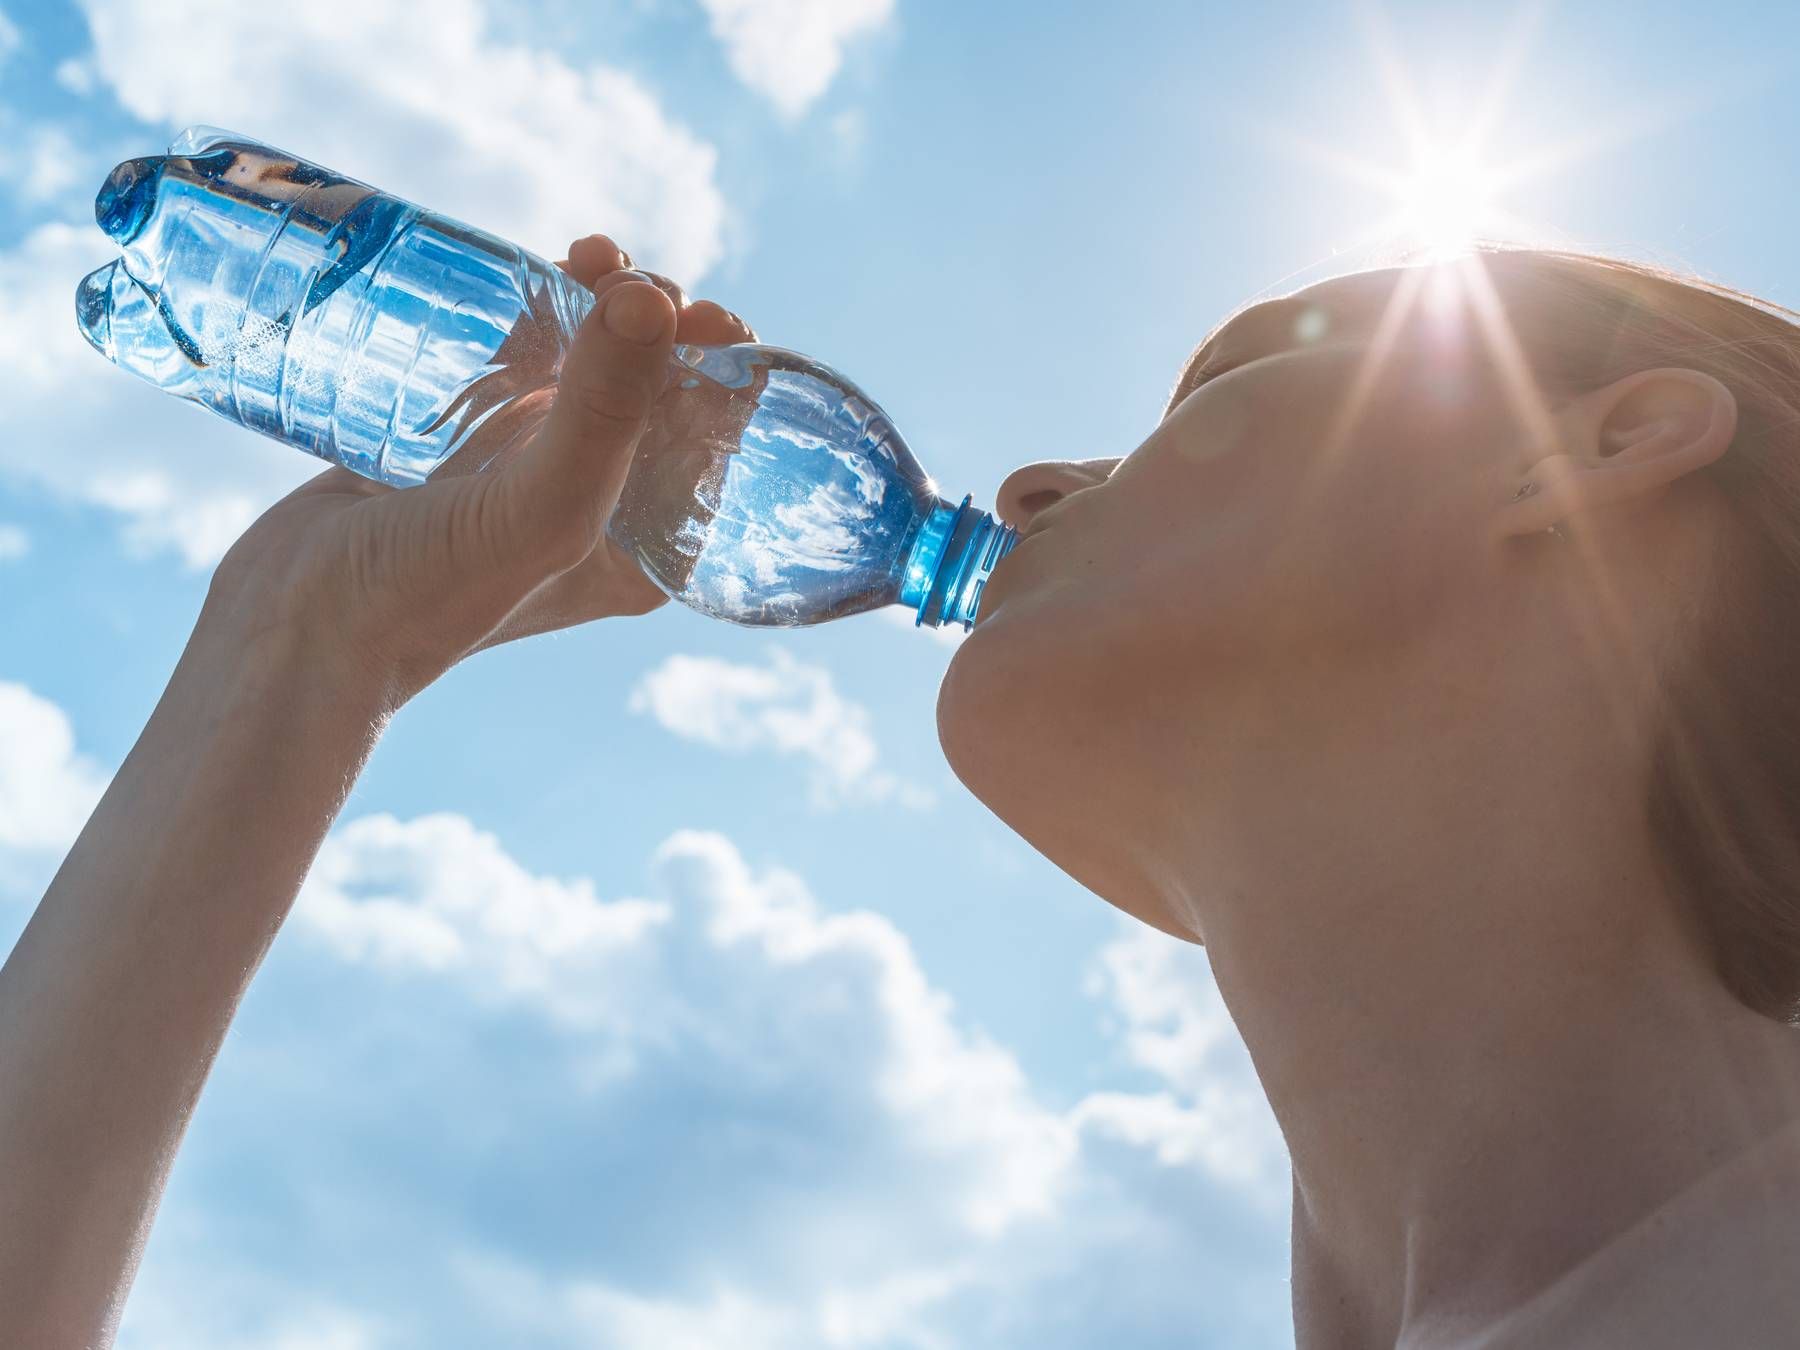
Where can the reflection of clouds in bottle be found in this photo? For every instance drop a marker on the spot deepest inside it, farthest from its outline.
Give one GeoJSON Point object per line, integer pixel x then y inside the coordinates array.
{"type": "Point", "coordinates": [793, 507]}
{"type": "Point", "coordinates": [797, 497]}
{"type": "Point", "coordinates": [821, 532]}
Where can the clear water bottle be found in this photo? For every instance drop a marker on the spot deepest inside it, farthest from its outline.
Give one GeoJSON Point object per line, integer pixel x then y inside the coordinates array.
{"type": "Point", "coordinates": [386, 338]}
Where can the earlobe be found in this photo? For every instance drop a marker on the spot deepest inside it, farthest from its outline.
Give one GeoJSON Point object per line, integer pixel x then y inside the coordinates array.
{"type": "Point", "coordinates": [1622, 445]}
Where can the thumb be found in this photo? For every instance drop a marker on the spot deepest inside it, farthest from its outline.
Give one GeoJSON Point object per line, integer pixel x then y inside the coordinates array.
{"type": "Point", "coordinates": [565, 486]}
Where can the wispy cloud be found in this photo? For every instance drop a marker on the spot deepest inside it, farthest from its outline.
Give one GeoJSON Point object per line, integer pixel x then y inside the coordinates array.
{"type": "Point", "coordinates": [39, 161]}
{"type": "Point", "coordinates": [9, 36]}
{"type": "Point", "coordinates": [789, 51]}
{"type": "Point", "coordinates": [784, 706]}
{"type": "Point", "coordinates": [15, 543]}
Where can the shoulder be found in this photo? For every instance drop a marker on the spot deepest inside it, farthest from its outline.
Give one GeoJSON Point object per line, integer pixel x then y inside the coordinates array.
{"type": "Point", "coordinates": [1718, 1265]}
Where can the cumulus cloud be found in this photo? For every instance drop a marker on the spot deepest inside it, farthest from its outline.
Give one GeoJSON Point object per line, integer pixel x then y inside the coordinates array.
{"type": "Point", "coordinates": [784, 706]}
{"type": "Point", "coordinates": [15, 543]}
{"type": "Point", "coordinates": [1211, 1110]}
{"type": "Point", "coordinates": [514, 138]}
{"type": "Point", "coordinates": [798, 1141]}
{"type": "Point", "coordinates": [436, 894]}
{"type": "Point", "coordinates": [789, 51]}
{"type": "Point", "coordinates": [47, 788]}
{"type": "Point", "coordinates": [965, 1100]}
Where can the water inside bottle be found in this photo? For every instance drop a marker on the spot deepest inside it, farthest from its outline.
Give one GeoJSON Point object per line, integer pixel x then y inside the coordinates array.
{"type": "Point", "coordinates": [398, 342]}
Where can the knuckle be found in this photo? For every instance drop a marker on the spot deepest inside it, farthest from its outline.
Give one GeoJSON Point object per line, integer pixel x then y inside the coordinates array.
{"type": "Point", "coordinates": [613, 400]}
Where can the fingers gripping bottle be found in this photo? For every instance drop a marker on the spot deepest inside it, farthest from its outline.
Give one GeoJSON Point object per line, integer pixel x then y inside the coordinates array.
{"type": "Point", "coordinates": [768, 489]}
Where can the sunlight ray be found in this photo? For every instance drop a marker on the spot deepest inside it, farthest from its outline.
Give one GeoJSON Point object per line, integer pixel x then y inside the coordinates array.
{"type": "Point", "coordinates": [1387, 332]}
{"type": "Point", "coordinates": [1331, 458]}
{"type": "Point", "coordinates": [1506, 351]}
{"type": "Point", "coordinates": [1529, 402]}
{"type": "Point", "coordinates": [1517, 44]}
{"type": "Point", "coordinates": [1396, 85]}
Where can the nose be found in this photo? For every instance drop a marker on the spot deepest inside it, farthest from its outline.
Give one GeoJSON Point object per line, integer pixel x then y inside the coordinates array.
{"type": "Point", "coordinates": [1035, 487]}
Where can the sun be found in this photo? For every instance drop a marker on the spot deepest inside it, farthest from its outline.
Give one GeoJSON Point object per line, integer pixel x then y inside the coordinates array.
{"type": "Point", "coordinates": [1447, 202]}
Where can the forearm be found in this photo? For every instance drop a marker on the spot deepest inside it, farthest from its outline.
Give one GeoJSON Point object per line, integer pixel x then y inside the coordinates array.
{"type": "Point", "coordinates": [118, 994]}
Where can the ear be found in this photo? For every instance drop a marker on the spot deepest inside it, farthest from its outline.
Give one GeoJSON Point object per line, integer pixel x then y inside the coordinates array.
{"type": "Point", "coordinates": [1621, 445]}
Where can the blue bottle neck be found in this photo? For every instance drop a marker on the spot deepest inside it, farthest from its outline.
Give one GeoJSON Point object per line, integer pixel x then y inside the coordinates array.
{"type": "Point", "coordinates": [956, 550]}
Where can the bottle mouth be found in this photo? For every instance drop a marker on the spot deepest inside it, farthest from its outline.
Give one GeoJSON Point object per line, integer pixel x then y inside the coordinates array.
{"type": "Point", "coordinates": [127, 196]}
{"type": "Point", "coordinates": [972, 546]}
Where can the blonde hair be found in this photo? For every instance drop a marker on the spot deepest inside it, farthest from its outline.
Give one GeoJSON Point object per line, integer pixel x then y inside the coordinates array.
{"type": "Point", "coordinates": [1724, 789]}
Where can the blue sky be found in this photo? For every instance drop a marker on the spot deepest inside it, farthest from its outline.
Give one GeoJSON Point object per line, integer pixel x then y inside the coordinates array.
{"type": "Point", "coordinates": [660, 988]}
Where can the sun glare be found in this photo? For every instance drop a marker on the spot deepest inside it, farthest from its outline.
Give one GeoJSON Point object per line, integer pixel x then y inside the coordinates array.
{"type": "Point", "coordinates": [1446, 202]}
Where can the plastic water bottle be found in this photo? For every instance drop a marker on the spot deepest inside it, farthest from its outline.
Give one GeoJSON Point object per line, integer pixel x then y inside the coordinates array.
{"type": "Point", "coordinates": [365, 330]}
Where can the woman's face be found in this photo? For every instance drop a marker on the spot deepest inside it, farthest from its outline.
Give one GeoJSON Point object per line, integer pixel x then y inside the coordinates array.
{"type": "Point", "coordinates": [1303, 524]}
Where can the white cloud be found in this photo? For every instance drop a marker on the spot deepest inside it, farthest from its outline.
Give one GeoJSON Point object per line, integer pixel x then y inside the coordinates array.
{"type": "Point", "coordinates": [790, 50]}
{"type": "Point", "coordinates": [902, 616]}
{"type": "Point", "coordinates": [47, 788]}
{"type": "Point", "coordinates": [965, 1097]}
{"type": "Point", "coordinates": [436, 894]}
{"type": "Point", "coordinates": [800, 1144]}
{"type": "Point", "coordinates": [39, 161]}
{"type": "Point", "coordinates": [512, 138]}
{"type": "Point", "coordinates": [14, 543]}
{"type": "Point", "coordinates": [9, 36]}
{"type": "Point", "coordinates": [784, 706]}
{"type": "Point", "coordinates": [1176, 1026]}
{"type": "Point", "coordinates": [76, 76]}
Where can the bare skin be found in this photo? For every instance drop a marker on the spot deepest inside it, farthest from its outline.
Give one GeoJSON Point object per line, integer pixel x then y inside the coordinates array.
{"type": "Point", "coordinates": [1379, 740]}
{"type": "Point", "coordinates": [1340, 708]}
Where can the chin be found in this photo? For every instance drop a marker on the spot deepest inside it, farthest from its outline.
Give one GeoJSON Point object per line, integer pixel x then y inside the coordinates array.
{"type": "Point", "coordinates": [970, 711]}
{"type": "Point", "coordinates": [1015, 710]}
{"type": "Point", "coordinates": [1036, 721]}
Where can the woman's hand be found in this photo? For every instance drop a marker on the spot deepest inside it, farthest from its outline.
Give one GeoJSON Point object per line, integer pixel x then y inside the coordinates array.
{"type": "Point", "coordinates": [393, 586]}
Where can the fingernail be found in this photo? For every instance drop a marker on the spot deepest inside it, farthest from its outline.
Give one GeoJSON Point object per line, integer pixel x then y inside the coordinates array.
{"type": "Point", "coordinates": [636, 314]}
{"type": "Point", "coordinates": [625, 259]}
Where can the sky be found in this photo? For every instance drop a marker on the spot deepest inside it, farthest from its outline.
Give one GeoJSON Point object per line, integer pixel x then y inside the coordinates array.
{"type": "Point", "coordinates": [659, 987]}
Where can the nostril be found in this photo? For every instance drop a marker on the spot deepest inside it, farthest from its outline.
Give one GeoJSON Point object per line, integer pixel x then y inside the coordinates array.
{"type": "Point", "coordinates": [1019, 509]}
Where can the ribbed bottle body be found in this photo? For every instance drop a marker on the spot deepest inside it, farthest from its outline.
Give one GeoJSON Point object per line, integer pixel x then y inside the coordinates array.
{"type": "Point", "coordinates": [767, 489]}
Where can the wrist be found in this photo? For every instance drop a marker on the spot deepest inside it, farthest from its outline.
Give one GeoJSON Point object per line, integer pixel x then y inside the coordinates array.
{"type": "Point", "coordinates": [280, 644]}
{"type": "Point", "coordinates": [242, 658]}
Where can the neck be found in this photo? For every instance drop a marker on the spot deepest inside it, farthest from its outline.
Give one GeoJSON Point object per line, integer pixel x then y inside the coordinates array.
{"type": "Point", "coordinates": [1489, 1038]}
